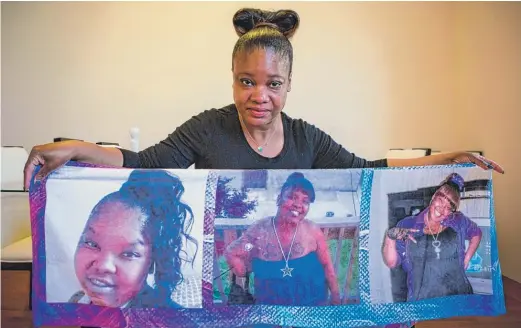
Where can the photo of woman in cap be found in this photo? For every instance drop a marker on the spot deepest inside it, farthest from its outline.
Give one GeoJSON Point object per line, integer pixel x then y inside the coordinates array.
{"type": "Point", "coordinates": [430, 246]}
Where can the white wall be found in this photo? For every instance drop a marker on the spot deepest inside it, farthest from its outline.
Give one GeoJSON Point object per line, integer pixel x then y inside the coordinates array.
{"type": "Point", "coordinates": [92, 70]}
{"type": "Point", "coordinates": [489, 84]}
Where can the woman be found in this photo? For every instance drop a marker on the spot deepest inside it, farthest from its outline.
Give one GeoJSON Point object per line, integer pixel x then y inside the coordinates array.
{"type": "Point", "coordinates": [251, 133]}
{"type": "Point", "coordinates": [129, 235]}
{"type": "Point", "coordinates": [288, 254]}
{"type": "Point", "coordinates": [430, 246]}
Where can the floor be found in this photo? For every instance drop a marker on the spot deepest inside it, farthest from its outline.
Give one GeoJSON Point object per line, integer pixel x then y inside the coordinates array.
{"type": "Point", "coordinates": [16, 314]}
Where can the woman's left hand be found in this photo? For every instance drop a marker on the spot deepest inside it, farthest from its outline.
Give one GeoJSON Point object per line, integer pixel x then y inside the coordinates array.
{"type": "Point", "coordinates": [465, 157]}
{"type": "Point", "coordinates": [458, 157]}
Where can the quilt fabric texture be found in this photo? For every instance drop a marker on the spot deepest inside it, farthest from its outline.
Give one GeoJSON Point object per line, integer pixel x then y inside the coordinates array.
{"type": "Point", "coordinates": [386, 247]}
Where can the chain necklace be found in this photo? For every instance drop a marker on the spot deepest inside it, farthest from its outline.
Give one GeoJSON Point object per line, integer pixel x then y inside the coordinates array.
{"type": "Point", "coordinates": [286, 271]}
{"type": "Point", "coordinates": [435, 243]}
{"type": "Point", "coordinates": [259, 147]}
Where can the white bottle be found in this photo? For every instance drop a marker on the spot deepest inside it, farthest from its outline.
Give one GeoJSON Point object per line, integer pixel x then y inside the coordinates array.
{"type": "Point", "coordinates": [134, 139]}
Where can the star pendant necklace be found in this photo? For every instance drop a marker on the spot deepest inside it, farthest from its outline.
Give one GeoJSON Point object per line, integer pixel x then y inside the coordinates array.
{"type": "Point", "coordinates": [286, 271]}
{"type": "Point", "coordinates": [259, 147]}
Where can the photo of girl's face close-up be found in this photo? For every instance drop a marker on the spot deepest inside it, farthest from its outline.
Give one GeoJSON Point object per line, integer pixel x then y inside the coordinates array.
{"type": "Point", "coordinates": [443, 204]}
{"type": "Point", "coordinates": [113, 257]}
{"type": "Point", "coordinates": [294, 205]}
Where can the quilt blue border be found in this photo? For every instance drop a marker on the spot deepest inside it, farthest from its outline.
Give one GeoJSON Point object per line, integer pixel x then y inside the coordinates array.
{"type": "Point", "coordinates": [364, 314]}
{"type": "Point", "coordinates": [444, 307]}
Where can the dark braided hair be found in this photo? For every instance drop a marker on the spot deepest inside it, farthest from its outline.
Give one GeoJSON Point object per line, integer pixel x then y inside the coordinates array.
{"type": "Point", "coordinates": [167, 222]}
{"type": "Point", "coordinates": [260, 29]}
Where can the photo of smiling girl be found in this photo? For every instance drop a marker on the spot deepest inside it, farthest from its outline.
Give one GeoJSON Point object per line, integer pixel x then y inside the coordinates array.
{"type": "Point", "coordinates": [130, 234]}
{"type": "Point", "coordinates": [287, 253]}
{"type": "Point", "coordinates": [430, 246]}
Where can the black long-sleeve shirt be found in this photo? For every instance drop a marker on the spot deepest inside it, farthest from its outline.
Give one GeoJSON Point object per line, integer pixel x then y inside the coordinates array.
{"type": "Point", "coordinates": [214, 139]}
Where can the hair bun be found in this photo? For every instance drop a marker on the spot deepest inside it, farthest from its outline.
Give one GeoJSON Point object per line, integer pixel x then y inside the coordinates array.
{"type": "Point", "coordinates": [456, 180]}
{"type": "Point", "coordinates": [295, 176]}
{"type": "Point", "coordinates": [246, 19]}
{"type": "Point", "coordinates": [147, 184]}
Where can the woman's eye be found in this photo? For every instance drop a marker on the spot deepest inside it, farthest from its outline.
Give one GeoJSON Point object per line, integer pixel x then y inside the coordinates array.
{"type": "Point", "coordinates": [275, 85]}
{"type": "Point", "coordinates": [247, 82]}
{"type": "Point", "coordinates": [90, 244]}
{"type": "Point", "coordinates": [131, 255]}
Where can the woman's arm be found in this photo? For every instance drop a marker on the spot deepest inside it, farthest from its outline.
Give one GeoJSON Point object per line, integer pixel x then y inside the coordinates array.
{"type": "Point", "coordinates": [473, 246]}
{"type": "Point", "coordinates": [179, 150]}
{"type": "Point", "coordinates": [472, 233]}
{"type": "Point", "coordinates": [446, 159]}
{"type": "Point", "coordinates": [239, 252]}
{"type": "Point", "coordinates": [324, 257]}
{"type": "Point", "coordinates": [391, 249]}
{"type": "Point", "coordinates": [94, 154]}
{"type": "Point", "coordinates": [329, 154]}
{"type": "Point", "coordinates": [389, 252]}
{"type": "Point", "coordinates": [54, 155]}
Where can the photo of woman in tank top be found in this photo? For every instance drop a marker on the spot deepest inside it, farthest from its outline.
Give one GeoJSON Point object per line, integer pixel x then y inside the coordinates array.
{"type": "Point", "coordinates": [431, 245]}
{"type": "Point", "coordinates": [287, 253]}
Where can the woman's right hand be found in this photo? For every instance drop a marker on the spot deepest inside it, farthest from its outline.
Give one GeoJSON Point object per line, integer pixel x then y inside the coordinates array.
{"type": "Point", "coordinates": [390, 255]}
{"type": "Point", "coordinates": [239, 269]}
{"type": "Point", "coordinates": [401, 234]}
{"type": "Point", "coordinates": [54, 155]}
{"type": "Point", "coordinates": [50, 156]}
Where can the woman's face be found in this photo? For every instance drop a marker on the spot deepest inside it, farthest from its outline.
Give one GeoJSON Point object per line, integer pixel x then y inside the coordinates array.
{"type": "Point", "coordinates": [294, 205]}
{"type": "Point", "coordinates": [443, 204]}
{"type": "Point", "coordinates": [112, 259]}
{"type": "Point", "coordinates": [261, 82]}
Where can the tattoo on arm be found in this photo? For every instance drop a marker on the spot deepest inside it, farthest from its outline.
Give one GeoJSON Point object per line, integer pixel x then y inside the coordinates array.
{"type": "Point", "coordinates": [399, 233]}
{"type": "Point", "coordinates": [393, 233]}
{"type": "Point", "coordinates": [243, 246]}
{"type": "Point", "coordinates": [271, 251]}
{"type": "Point", "coordinates": [240, 251]}
{"type": "Point", "coordinates": [297, 250]}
